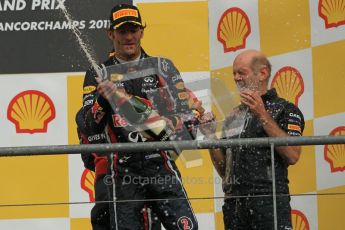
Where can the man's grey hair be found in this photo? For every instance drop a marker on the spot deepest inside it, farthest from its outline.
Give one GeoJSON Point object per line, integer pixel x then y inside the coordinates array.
{"type": "Point", "coordinates": [260, 62]}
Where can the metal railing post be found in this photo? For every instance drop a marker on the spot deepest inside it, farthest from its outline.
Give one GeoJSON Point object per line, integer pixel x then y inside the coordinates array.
{"type": "Point", "coordinates": [274, 191]}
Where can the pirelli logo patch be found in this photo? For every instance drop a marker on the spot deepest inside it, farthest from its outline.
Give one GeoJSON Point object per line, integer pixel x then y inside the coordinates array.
{"type": "Point", "coordinates": [89, 89]}
{"type": "Point", "coordinates": [294, 127]}
{"type": "Point", "coordinates": [125, 13]}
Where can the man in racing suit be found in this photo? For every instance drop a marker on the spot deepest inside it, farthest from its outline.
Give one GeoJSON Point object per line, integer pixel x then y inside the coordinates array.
{"type": "Point", "coordinates": [246, 170]}
{"type": "Point", "coordinates": [133, 177]}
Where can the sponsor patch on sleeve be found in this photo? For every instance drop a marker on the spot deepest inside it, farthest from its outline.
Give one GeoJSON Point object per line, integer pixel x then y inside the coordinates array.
{"type": "Point", "coordinates": [294, 127]}
{"type": "Point", "coordinates": [96, 108]}
{"type": "Point", "coordinates": [116, 77]}
{"type": "Point", "coordinates": [180, 85]}
{"type": "Point", "coordinates": [97, 112]}
{"type": "Point", "coordinates": [294, 133]}
{"type": "Point", "coordinates": [183, 95]}
{"type": "Point", "coordinates": [89, 89]}
{"type": "Point", "coordinates": [88, 102]}
{"type": "Point", "coordinates": [294, 115]}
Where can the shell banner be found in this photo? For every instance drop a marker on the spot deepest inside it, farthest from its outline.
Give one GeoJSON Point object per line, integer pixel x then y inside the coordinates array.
{"type": "Point", "coordinates": [42, 72]}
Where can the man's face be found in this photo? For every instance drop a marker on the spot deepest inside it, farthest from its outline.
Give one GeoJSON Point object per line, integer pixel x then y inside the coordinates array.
{"type": "Point", "coordinates": [244, 76]}
{"type": "Point", "coordinates": [126, 41]}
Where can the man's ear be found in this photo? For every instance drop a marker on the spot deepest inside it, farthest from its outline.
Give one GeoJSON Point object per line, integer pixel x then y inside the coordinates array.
{"type": "Point", "coordinates": [142, 33]}
{"type": "Point", "coordinates": [110, 34]}
{"type": "Point", "coordinates": [264, 75]}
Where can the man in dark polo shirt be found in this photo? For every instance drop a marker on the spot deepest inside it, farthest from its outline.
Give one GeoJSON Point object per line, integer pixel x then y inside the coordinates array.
{"type": "Point", "coordinates": [246, 170]}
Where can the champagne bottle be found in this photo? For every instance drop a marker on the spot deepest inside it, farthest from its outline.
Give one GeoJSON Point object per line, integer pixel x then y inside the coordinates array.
{"type": "Point", "coordinates": [141, 115]}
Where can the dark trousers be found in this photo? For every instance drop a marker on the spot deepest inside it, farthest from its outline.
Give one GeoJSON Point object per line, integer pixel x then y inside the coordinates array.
{"type": "Point", "coordinates": [156, 180]}
{"type": "Point", "coordinates": [102, 214]}
{"type": "Point", "coordinates": [256, 212]}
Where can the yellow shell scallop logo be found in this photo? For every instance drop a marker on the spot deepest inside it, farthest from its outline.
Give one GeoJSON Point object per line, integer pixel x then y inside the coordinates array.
{"type": "Point", "coordinates": [31, 111]}
{"type": "Point", "coordinates": [335, 154]}
{"type": "Point", "coordinates": [332, 12]}
{"type": "Point", "coordinates": [87, 183]}
{"type": "Point", "coordinates": [299, 221]}
{"type": "Point", "coordinates": [233, 29]}
{"type": "Point", "coordinates": [289, 84]}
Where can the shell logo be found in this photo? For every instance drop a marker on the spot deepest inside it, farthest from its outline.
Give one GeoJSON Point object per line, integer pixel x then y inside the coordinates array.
{"type": "Point", "coordinates": [233, 29]}
{"type": "Point", "coordinates": [335, 154]}
{"type": "Point", "coordinates": [289, 84]}
{"type": "Point", "coordinates": [299, 221]}
{"type": "Point", "coordinates": [87, 182]}
{"type": "Point", "coordinates": [31, 111]}
{"type": "Point", "coordinates": [332, 12]}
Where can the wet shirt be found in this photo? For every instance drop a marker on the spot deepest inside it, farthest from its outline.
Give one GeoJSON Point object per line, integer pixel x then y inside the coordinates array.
{"type": "Point", "coordinates": [248, 169]}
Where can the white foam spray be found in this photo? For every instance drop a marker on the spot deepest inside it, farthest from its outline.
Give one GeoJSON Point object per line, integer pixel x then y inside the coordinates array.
{"type": "Point", "coordinates": [82, 44]}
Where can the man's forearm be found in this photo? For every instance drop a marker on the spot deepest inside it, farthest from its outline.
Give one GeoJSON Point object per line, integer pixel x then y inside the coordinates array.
{"type": "Point", "coordinates": [218, 160]}
{"type": "Point", "coordinates": [289, 153]}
